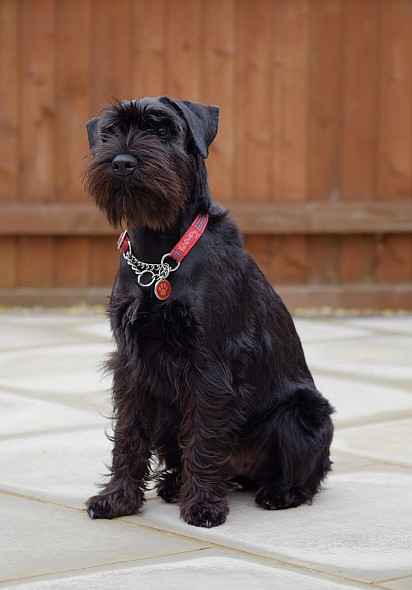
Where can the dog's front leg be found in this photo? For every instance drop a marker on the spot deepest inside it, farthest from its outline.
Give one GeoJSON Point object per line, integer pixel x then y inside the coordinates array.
{"type": "Point", "coordinates": [124, 493]}
{"type": "Point", "coordinates": [205, 439]}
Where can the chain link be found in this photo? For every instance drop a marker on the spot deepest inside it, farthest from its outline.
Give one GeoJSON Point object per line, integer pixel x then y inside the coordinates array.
{"type": "Point", "coordinates": [157, 271]}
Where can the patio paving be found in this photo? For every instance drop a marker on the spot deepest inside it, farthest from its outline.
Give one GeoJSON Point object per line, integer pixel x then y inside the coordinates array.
{"type": "Point", "coordinates": [53, 449]}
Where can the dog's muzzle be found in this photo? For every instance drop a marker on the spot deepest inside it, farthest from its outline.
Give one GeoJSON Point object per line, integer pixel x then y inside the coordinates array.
{"type": "Point", "coordinates": [123, 164]}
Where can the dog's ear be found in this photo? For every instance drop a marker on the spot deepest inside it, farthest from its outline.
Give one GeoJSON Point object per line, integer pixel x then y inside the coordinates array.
{"type": "Point", "coordinates": [93, 133]}
{"type": "Point", "coordinates": [202, 121]}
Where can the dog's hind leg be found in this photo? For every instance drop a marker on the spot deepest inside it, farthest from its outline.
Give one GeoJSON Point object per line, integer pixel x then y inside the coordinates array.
{"type": "Point", "coordinates": [298, 451]}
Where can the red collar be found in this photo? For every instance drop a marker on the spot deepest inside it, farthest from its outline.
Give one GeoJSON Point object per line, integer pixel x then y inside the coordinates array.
{"type": "Point", "coordinates": [159, 272]}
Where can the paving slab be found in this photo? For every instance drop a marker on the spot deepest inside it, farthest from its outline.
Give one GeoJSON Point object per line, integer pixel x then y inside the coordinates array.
{"type": "Point", "coordinates": [21, 414]}
{"type": "Point", "coordinates": [380, 357]}
{"type": "Point", "coordinates": [207, 569]}
{"type": "Point", "coordinates": [357, 401]}
{"type": "Point", "coordinates": [53, 448]}
{"type": "Point", "coordinates": [347, 462]}
{"type": "Point", "coordinates": [388, 441]}
{"type": "Point", "coordinates": [320, 330]}
{"type": "Point", "coordinates": [17, 335]}
{"type": "Point", "coordinates": [359, 526]}
{"type": "Point", "coordinates": [39, 539]}
{"type": "Point", "coordinates": [400, 584]}
{"type": "Point", "coordinates": [100, 329]}
{"type": "Point", "coordinates": [62, 467]}
{"type": "Point", "coordinates": [397, 324]}
{"type": "Point", "coordinates": [76, 369]}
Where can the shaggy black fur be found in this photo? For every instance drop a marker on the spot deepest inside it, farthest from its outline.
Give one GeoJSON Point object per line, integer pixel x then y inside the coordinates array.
{"type": "Point", "coordinates": [213, 380]}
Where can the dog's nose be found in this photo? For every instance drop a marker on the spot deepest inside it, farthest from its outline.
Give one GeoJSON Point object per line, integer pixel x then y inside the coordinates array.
{"type": "Point", "coordinates": [124, 164]}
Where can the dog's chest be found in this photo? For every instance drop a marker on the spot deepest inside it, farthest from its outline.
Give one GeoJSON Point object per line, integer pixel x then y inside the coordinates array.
{"type": "Point", "coordinates": [160, 338]}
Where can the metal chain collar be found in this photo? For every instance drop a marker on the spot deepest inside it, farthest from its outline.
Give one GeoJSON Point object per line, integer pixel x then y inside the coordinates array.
{"type": "Point", "coordinates": [158, 272]}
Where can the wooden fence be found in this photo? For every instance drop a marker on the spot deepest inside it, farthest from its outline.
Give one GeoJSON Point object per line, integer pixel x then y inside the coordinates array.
{"type": "Point", "coordinates": [313, 155]}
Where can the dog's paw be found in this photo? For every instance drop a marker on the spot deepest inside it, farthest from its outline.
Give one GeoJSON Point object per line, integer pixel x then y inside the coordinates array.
{"type": "Point", "coordinates": [271, 498]}
{"type": "Point", "coordinates": [206, 514]}
{"type": "Point", "coordinates": [114, 504]}
{"type": "Point", "coordinates": [168, 487]}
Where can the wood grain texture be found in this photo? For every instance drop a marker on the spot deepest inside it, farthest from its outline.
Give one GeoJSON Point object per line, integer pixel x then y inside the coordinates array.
{"type": "Point", "coordinates": [321, 259]}
{"type": "Point", "coordinates": [291, 95]}
{"type": "Point", "coordinates": [73, 108]}
{"type": "Point", "coordinates": [281, 258]}
{"type": "Point", "coordinates": [349, 217]}
{"type": "Point", "coordinates": [254, 95]}
{"type": "Point", "coordinates": [354, 259]}
{"type": "Point", "coordinates": [103, 261]}
{"type": "Point", "coordinates": [148, 47]}
{"type": "Point", "coordinates": [9, 99]}
{"type": "Point", "coordinates": [395, 113]}
{"type": "Point", "coordinates": [313, 155]}
{"type": "Point", "coordinates": [111, 30]}
{"type": "Point", "coordinates": [35, 262]}
{"type": "Point", "coordinates": [325, 102]}
{"type": "Point", "coordinates": [184, 47]}
{"type": "Point", "coordinates": [8, 262]}
{"type": "Point", "coordinates": [71, 262]}
{"type": "Point", "coordinates": [393, 259]}
{"type": "Point", "coordinates": [38, 99]}
{"type": "Point", "coordinates": [358, 161]}
{"type": "Point", "coordinates": [218, 88]}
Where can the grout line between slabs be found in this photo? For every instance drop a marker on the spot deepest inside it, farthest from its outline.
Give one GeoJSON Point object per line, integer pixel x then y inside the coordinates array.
{"type": "Point", "coordinates": [88, 341]}
{"type": "Point", "coordinates": [257, 556]}
{"type": "Point", "coordinates": [401, 384]}
{"type": "Point", "coordinates": [207, 544]}
{"type": "Point", "coordinates": [104, 565]}
{"type": "Point", "coordinates": [370, 420]}
{"type": "Point", "coordinates": [373, 459]}
{"type": "Point", "coordinates": [51, 431]}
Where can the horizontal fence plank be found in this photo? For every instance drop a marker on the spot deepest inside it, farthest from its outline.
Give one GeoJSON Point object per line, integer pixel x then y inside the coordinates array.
{"type": "Point", "coordinates": [296, 297]}
{"type": "Point", "coordinates": [260, 219]}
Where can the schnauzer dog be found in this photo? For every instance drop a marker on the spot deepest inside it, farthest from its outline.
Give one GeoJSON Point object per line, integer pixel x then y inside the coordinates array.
{"type": "Point", "coordinates": [209, 375]}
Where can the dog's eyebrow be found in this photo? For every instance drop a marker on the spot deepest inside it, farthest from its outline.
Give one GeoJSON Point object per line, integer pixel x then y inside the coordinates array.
{"type": "Point", "coordinates": [160, 117]}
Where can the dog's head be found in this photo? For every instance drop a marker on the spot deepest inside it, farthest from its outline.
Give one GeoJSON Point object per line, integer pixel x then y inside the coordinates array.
{"type": "Point", "coordinates": [144, 156]}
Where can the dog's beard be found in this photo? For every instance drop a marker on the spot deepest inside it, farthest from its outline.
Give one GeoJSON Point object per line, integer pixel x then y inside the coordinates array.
{"type": "Point", "coordinates": [153, 195]}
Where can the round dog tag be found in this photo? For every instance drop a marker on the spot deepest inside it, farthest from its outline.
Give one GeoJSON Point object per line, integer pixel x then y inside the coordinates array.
{"type": "Point", "coordinates": [162, 289]}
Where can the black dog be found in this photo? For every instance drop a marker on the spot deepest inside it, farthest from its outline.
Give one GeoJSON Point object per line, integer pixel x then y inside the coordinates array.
{"type": "Point", "coordinates": [209, 372]}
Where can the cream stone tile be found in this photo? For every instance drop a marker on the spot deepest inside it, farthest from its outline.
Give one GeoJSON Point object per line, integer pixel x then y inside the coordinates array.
{"type": "Point", "coordinates": [42, 320]}
{"type": "Point", "coordinates": [344, 462]}
{"type": "Point", "coordinates": [21, 414]}
{"type": "Point", "coordinates": [100, 329]}
{"type": "Point", "coordinates": [397, 323]}
{"type": "Point", "coordinates": [359, 526]}
{"type": "Point", "coordinates": [400, 584]}
{"type": "Point", "coordinates": [61, 467]}
{"type": "Point", "coordinates": [387, 441]}
{"type": "Point", "coordinates": [318, 330]}
{"type": "Point", "coordinates": [380, 357]}
{"type": "Point", "coordinates": [19, 335]}
{"type": "Point", "coordinates": [356, 400]}
{"type": "Point", "coordinates": [39, 539]}
{"type": "Point", "coordinates": [62, 369]}
{"type": "Point", "coordinates": [200, 570]}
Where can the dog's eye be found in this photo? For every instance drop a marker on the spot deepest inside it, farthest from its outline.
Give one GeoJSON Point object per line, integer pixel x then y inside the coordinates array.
{"type": "Point", "coordinates": [106, 132]}
{"type": "Point", "coordinates": [161, 131]}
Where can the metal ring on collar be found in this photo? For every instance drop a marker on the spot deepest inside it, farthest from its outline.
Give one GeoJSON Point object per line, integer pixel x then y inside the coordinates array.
{"type": "Point", "coordinates": [162, 263]}
{"type": "Point", "coordinates": [146, 284]}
